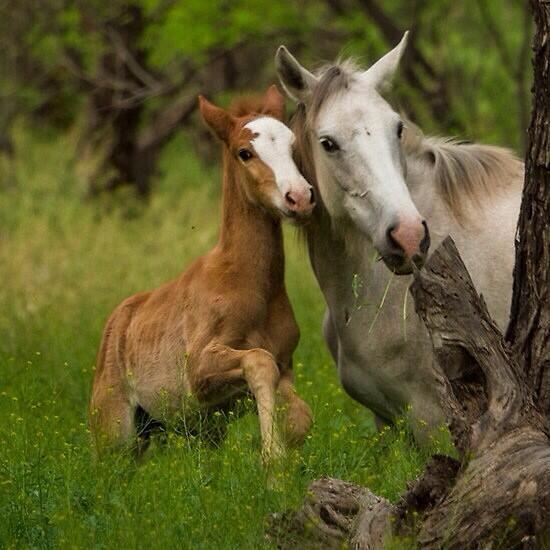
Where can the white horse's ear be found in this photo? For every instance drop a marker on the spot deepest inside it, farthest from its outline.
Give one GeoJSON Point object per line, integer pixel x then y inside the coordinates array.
{"type": "Point", "coordinates": [381, 73]}
{"type": "Point", "coordinates": [296, 80]}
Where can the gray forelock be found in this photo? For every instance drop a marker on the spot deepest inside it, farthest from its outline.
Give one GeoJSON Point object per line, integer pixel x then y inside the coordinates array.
{"type": "Point", "coordinates": [333, 80]}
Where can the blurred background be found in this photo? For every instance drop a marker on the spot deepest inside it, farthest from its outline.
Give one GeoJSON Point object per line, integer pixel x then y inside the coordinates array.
{"type": "Point", "coordinates": [123, 76]}
{"type": "Point", "coordinates": [110, 184]}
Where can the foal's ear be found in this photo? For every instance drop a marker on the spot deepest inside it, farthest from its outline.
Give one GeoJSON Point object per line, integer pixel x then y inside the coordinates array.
{"type": "Point", "coordinates": [296, 80]}
{"type": "Point", "coordinates": [274, 103]}
{"type": "Point", "coordinates": [217, 119]}
{"type": "Point", "coordinates": [381, 73]}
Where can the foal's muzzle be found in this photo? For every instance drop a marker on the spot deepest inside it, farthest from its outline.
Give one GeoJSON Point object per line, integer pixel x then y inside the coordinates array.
{"type": "Point", "coordinates": [299, 202]}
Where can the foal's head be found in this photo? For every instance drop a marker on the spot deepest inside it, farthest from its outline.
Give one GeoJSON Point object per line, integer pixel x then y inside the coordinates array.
{"type": "Point", "coordinates": [262, 146]}
{"type": "Point", "coordinates": [359, 164]}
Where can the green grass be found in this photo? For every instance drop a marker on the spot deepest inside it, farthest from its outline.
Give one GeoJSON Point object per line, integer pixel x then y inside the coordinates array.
{"type": "Point", "coordinates": [66, 262]}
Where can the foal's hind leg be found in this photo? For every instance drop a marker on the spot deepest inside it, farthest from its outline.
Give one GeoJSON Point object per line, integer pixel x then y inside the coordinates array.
{"type": "Point", "coordinates": [297, 414]}
{"type": "Point", "coordinates": [111, 413]}
{"type": "Point", "coordinates": [112, 419]}
{"type": "Point", "coordinates": [223, 371]}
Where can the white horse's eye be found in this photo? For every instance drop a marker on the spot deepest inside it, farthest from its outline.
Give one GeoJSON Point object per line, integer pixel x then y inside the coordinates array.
{"type": "Point", "coordinates": [329, 145]}
{"type": "Point", "coordinates": [400, 127]}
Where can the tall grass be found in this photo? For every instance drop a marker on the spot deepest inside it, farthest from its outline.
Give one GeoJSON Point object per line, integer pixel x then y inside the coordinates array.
{"type": "Point", "coordinates": [66, 262]}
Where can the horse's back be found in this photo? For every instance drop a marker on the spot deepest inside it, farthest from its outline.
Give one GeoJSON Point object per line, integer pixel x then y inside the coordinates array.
{"type": "Point", "coordinates": [113, 340]}
{"type": "Point", "coordinates": [486, 245]}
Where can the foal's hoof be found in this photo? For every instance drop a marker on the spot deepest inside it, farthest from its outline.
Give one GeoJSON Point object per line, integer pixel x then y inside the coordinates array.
{"type": "Point", "coordinates": [273, 455]}
{"type": "Point", "coordinates": [275, 470]}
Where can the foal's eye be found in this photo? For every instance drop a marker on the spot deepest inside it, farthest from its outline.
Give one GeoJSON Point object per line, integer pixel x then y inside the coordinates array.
{"type": "Point", "coordinates": [245, 154]}
{"type": "Point", "coordinates": [400, 127]}
{"type": "Point", "coordinates": [329, 145]}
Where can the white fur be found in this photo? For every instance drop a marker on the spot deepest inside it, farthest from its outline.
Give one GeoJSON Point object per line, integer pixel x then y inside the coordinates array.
{"type": "Point", "coordinates": [365, 179]}
{"type": "Point", "coordinates": [273, 144]}
{"type": "Point", "coordinates": [381, 73]}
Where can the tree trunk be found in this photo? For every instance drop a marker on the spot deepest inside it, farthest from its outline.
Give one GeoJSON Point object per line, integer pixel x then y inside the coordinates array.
{"type": "Point", "coordinates": [114, 83]}
{"type": "Point", "coordinates": [498, 492]}
{"type": "Point", "coordinates": [530, 316]}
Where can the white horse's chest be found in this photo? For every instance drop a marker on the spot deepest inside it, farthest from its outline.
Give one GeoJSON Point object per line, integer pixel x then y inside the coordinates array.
{"type": "Point", "coordinates": [371, 309]}
{"type": "Point", "coordinates": [377, 332]}
{"type": "Point", "coordinates": [384, 354]}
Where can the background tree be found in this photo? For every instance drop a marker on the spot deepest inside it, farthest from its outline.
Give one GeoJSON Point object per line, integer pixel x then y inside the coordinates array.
{"type": "Point", "coordinates": [129, 71]}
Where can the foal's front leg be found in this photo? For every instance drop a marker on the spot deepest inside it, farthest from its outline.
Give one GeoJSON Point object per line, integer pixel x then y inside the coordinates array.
{"type": "Point", "coordinates": [218, 375]}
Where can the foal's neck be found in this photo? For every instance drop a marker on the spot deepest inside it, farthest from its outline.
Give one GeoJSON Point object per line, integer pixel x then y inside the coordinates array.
{"type": "Point", "coordinates": [249, 235]}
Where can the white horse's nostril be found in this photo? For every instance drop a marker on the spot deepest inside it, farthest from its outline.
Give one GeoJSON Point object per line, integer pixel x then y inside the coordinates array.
{"type": "Point", "coordinates": [312, 196]}
{"type": "Point", "coordinates": [426, 241]}
{"type": "Point", "coordinates": [409, 237]}
{"type": "Point", "coordinates": [389, 236]}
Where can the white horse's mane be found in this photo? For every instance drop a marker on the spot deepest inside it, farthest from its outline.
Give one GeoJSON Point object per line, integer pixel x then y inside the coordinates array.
{"type": "Point", "coordinates": [462, 170]}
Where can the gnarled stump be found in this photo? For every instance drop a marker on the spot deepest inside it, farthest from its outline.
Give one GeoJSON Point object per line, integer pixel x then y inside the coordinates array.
{"type": "Point", "coordinates": [499, 490]}
{"type": "Point", "coordinates": [330, 515]}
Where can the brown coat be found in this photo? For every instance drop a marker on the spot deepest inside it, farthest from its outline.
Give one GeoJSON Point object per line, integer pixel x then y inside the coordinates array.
{"type": "Point", "coordinates": [224, 327]}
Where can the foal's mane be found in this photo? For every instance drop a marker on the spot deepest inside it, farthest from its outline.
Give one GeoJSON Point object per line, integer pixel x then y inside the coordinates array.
{"type": "Point", "coordinates": [462, 171]}
{"type": "Point", "coordinates": [246, 105]}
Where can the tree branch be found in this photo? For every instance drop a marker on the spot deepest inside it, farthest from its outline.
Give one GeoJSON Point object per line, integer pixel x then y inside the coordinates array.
{"type": "Point", "coordinates": [122, 52]}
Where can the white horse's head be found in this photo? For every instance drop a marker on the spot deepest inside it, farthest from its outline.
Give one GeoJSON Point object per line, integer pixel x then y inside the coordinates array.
{"type": "Point", "coordinates": [359, 163]}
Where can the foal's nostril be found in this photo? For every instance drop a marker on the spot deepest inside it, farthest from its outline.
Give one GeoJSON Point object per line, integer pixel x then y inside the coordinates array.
{"type": "Point", "coordinates": [425, 242]}
{"type": "Point", "coordinates": [390, 237]}
{"type": "Point", "coordinates": [289, 198]}
{"type": "Point", "coordinates": [311, 196]}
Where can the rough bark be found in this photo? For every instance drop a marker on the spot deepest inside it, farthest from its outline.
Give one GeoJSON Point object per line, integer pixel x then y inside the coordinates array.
{"type": "Point", "coordinates": [530, 316]}
{"type": "Point", "coordinates": [502, 491]}
{"type": "Point", "coordinates": [334, 511]}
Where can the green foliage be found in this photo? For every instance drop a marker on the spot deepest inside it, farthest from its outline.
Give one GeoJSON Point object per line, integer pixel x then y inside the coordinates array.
{"type": "Point", "coordinates": [193, 28]}
{"type": "Point", "coordinates": [477, 49]}
{"type": "Point", "coordinates": [66, 263]}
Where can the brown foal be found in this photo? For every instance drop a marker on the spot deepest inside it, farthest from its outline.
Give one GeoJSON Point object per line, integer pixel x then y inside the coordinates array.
{"type": "Point", "coordinates": [225, 326]}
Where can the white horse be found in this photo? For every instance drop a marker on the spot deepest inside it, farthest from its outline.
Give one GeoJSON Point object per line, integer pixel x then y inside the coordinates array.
{"type": "Point", "coordinates": [381, 184]}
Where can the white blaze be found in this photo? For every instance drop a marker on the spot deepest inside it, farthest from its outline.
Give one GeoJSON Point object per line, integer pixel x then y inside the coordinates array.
{"type": "Point", "coordinates": [273, 145]}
